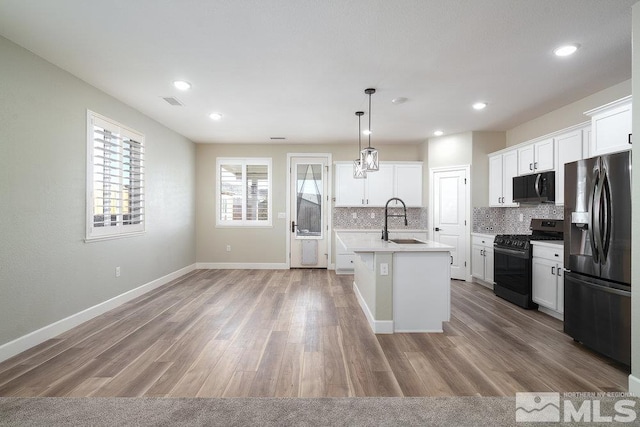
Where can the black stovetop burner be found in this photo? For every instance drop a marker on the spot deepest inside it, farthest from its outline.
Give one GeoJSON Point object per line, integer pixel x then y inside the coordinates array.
{"type": "Point", "coordinates": [541, 229]}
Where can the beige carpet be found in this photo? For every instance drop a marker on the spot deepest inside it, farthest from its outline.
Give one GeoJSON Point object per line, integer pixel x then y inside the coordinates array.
{"type": "Point", "coordinates": [462, 411]}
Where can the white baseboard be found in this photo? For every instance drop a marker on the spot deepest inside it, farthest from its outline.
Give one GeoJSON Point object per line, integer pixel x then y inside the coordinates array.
{"type": "Point", "coordinates": [377, 326]}
{"type": "Point", "coordinates": [242, 266]}
{"type": "Point", "coordinates": [39, 336]}
{"type": "Point", "coordinates": [634, 385]}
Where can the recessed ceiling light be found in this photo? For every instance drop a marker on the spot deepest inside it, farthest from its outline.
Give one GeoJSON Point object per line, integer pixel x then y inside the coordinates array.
{"type": "Point", "coordinates": [215, 116]}
{"type": "Point", "coordinates": [566, 50]}
{"type": "Point", "coordinates": [399, 100]}
{"type": "Point", "coordinates": [479, 105]}
{"type": "Point", "coordinates": [438, 133]}
{"type": "Point", "coordinates": [182, 85]}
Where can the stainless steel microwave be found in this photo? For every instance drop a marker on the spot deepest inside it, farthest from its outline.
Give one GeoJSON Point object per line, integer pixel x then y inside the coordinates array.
{"type": "Point", "coordinates": [535, 188]}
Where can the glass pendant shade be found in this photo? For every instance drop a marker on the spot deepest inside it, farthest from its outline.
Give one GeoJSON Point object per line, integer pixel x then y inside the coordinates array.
{"type": "Point", "coordinates": [369, 159]}
{"type": "Point", "coordinates": [358, 171]}
{"type": "Point", "coordinates": [369, 156]}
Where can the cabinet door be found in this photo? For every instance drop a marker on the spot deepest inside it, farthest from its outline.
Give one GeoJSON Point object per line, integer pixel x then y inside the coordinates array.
{"type": "Point", "coordinates": [611, 131]}
{"type": "Point", "coordinates": [525, 160]}
{"type": "Point", "coordinates": [379, 186]}
{"type": "Point", "coordinates": [509, 170]}
{"type": "Point", "coordinates": [545, 288]}
{"type": "Point", "coordinates": [488, 265]}
{"type": "Point", "coordinates": [495, 180]}
{"type": "Point", "coordinates": [477, 262]}
{"type": "Point", "coordinates": [348, 191]}
{"type": "Point", "coordinates": [568, 149]}
{"type": "Point", "coordinates": [543, 155]}
{"type": "Point", "coordinates": [408, 184]}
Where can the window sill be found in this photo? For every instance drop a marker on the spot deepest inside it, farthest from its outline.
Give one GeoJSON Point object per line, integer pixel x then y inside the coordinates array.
{"type": "Point", "coordinates": [112, 237]}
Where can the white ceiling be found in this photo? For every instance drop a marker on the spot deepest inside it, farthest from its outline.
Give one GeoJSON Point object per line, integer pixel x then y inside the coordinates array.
{"type": "Point", "coordinates": [298, 68]}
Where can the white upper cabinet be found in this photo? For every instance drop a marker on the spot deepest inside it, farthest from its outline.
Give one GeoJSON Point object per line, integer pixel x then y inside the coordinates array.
{"type": "Point", "coordinates": [611, 127]}
{"type": "Point", "coordinates": [408, 184]}
{"type": "Point", "coordinates": [502, 168]}
{"type": "Point", "coordinates": [380, 185]}
{"type": "Point", "coordinates": [568, 148]}
{"type": "Point", "coordinates": [348, 190]}
{"type": "Point", "coordinates": [403, 180]}
{"type": "Point", "coordinates": [536, 157]}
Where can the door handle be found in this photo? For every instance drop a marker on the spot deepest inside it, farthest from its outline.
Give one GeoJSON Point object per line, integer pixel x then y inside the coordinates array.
{"type": "Point", "coordinates": [293, 226]}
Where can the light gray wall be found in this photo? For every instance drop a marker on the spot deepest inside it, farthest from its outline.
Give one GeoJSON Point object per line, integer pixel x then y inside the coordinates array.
{"type": "Point", "coordinates": [569, 115]}
{"type": "Point", "coordinates": [47, 271]}
{"type": "Point", "coordinates": [635, 209]}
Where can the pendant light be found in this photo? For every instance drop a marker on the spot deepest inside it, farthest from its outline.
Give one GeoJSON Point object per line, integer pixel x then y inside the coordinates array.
{"type": "Point", "coordinates": [358, 170]}
{"type": "Point", "coordinates": [369, 156]}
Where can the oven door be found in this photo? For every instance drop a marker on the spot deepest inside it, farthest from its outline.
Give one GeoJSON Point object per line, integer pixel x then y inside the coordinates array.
{"type": "Point", "coordinates": [512, 270]}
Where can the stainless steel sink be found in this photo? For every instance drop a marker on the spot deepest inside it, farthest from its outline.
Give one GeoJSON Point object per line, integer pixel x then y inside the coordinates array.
{"type": "Point", "coordinates": [407, 241]}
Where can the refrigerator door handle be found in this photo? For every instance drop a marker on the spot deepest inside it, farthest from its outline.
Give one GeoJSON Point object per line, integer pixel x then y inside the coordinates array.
{"type": "Point", "coordinates": [600, 212]}
{"type": "Point", "coordinates": [594, 227]}
{"type": "Point", "coordinates": [605, 238]}
{"type": "Point", "coordinates": [606, 289]}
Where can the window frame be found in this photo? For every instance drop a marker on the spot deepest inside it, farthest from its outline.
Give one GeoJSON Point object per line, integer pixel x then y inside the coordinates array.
{"type": "Point", "coordinates": [244, 162]}
{"type": "Point", "coordinates": [120, 230]}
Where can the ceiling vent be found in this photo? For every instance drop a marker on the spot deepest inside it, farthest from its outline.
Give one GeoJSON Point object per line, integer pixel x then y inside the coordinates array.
{"type": "Point", "coordinates": [173, 101]}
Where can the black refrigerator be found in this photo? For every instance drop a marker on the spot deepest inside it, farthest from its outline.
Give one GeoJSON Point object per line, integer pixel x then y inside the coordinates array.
{"type": "Point", "coordinates": [597, 254]}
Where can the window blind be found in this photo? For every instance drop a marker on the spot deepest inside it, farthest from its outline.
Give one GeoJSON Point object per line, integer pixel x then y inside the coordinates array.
{"type": "Point", "coordinates": [115, 179]}
{"type": "Point", "coordinates": [244, 192]}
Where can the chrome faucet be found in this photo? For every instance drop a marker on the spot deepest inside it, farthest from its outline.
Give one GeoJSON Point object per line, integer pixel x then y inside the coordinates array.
{"type": "Point", "coordinates": [385, 231]}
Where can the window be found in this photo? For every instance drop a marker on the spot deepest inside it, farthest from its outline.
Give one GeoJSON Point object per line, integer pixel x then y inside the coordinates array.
{"type": "Point", "coordinates": [115, 179]}
{"type": "Point", "coordinates": [243, 192]}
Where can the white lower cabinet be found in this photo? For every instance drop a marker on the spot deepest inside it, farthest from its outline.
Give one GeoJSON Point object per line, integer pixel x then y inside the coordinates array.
{"type": "Point", "coordinates": [482, 257]}
{"type": "Point", "coordinates": [548, 277]}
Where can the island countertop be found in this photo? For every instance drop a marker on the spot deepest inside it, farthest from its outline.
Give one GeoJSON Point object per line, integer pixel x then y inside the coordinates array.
{"type": "Point", "coordinates": [361, 242]}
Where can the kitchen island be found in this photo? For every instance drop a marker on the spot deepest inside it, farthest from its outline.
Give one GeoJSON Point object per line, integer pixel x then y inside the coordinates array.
{"type": "Point", "coordinates": [401, 287]}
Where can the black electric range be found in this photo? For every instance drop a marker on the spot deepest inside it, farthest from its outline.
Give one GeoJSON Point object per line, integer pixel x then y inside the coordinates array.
{"type": "Point", "coordinates": [512, 260]}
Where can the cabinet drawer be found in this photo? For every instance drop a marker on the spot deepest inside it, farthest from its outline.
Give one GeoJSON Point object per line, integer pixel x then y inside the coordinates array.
{"type": "Point", "coordinates": [482, 241]}
{"type": "Point", "coordinates": [345, 261]}
{"type": "Point", "coordinates": [551, 254]}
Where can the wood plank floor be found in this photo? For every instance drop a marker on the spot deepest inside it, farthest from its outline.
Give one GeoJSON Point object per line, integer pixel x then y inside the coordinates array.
{"type": "Point", "coordinates": [301, 333]}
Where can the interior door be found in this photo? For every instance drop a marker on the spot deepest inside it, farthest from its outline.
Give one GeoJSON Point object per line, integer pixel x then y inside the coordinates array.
{"type": "Point", "coordinates": [449, 217]}
{"type": "Point", "coordinates": [308, 227]}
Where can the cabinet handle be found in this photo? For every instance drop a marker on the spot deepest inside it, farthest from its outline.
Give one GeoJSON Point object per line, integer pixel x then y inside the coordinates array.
{"type": "Point", "coordinates": [558, 272]}
{"type": "Point", "coordinates": [630, 138]}
{"type": "Point", "coordinates": [363, 201]}
{"type": "Point", "coordinates": [530, 166]}
{"type": "Point", "coordinates": [451, 259]}
{"type": "Point", "coordinates": [367, 201]}
{"type": "Point", "coordinates": [553, 272]}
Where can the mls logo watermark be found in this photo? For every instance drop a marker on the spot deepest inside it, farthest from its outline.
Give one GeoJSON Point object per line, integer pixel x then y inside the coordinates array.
{"type": "Point", "coordinates": [538, 407]}
{"type": "Point", "coordinates": [575, 407]}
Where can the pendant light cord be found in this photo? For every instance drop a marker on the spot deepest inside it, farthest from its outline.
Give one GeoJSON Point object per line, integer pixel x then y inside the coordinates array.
{"type": "Point", "coordinates": [369, 120]}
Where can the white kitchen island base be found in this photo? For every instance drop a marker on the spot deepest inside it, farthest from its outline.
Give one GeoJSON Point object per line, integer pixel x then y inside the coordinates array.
{"type": "Point", "coordinates": [402, 287]}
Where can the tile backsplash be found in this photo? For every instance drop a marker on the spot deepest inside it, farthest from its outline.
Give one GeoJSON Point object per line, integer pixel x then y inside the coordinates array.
{"type": "Point", "coordinates": [343, 218]}
{"type": "Point", "coordinates": [507, 220]}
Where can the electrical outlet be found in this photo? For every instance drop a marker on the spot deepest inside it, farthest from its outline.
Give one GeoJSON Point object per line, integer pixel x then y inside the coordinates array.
{"type": "Point", "coordinates": [384, 269]}
{"type": "Point", "coordinates": [354, 215]}
{"type": "Point", "coordinates": [117, 271]}
{"type": "Point", "coordinates": [373, 215]}
{"type": "Point", "coordinates": [228, 248]}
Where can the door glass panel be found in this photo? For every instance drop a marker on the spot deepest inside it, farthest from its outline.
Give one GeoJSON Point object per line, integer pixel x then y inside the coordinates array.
{"type": "Point", "coordinates": [309, 200]}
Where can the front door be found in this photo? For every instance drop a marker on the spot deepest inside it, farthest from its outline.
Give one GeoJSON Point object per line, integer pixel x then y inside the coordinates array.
{"type": "Point", "coordinates": [308, 227]}
{"type": "Point", "coordinates": [449, 216]}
